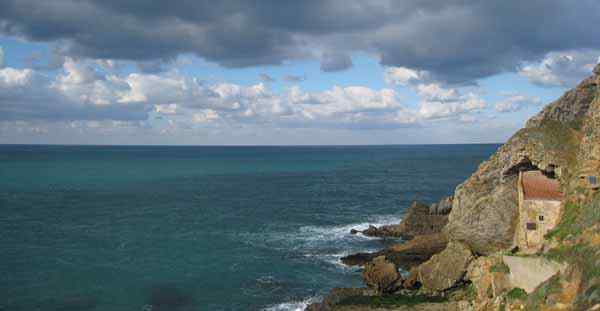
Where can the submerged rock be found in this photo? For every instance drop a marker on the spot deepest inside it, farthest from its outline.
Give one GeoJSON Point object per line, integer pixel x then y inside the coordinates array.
{"type": "Point", "coordinates": [167, 297]}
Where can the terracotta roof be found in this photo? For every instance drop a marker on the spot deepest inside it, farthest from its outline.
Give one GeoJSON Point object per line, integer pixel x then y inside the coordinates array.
{"type": "Point", "coordinates": [536, 186]}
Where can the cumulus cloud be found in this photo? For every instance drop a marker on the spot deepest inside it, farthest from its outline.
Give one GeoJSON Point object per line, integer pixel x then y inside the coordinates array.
{"type": "Point", "coordinates": [456, 41]}
{"type": "Point", "coordinates": [516, 102]}
{"type": "Point", "coordinates": [438, 101]}
{"type": "Point", "coordinates": [81, 93]}
{"type": "Point", "coordinates": [563, 69]}
{"type": "Point", "coordinates": [335, 61]}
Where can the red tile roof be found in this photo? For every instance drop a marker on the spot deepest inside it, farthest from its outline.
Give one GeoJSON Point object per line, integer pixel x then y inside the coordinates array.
{"type": "Point", "coordinates": [536, 186]}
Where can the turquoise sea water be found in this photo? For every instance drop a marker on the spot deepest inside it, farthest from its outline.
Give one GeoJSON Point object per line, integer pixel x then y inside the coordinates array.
{"type": "Point", "coordinates": [202, 228]}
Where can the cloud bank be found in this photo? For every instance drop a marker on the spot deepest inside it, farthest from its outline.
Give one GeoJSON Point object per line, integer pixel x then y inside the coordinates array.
{"type": "Point", "coordinates": [456, 41]}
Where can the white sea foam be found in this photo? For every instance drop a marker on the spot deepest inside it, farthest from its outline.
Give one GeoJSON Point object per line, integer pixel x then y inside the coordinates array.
{"type": "Point", "coordinates": [335, 260]}
{"type": "Point", "coordinates": [293, 305]}
{"type": "Point", "coordinates": [331, 233]}
{"type": "Point", "coordinates": [327, 244]}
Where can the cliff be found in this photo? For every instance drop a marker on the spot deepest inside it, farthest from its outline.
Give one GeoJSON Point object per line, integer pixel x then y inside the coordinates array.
{"type": "Point", "coordinates": [480, 266]}
{"type": "Point", "coordinates": [563, 139]}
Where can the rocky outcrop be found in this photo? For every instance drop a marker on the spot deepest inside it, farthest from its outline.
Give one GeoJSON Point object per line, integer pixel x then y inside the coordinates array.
{"type": "Point", "coordinates": [446, 306]}
{"type": "Point", "coordinates": [382, 276]}
{"type": "Point", "coordinates": [404, 255]}
{"type": "Point", "coordinates": [420, 219]}
{"type": "Point", "coordinates": [442, 208]}
{"type": "Point", "coordinates": [484, 211]}
{"type": "Point", "coordinates": [446, 269]}
{"type": "Point", "coordinates": [489, 276]}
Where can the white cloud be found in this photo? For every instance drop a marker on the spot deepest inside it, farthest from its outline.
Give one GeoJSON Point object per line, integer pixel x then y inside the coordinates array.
{"type": "Point", "coordinates": [437, 101]}
{"type": "Point", "coordinates": [205, 115]}
{"type": "Point", "coordinates": [516, 102]}
{"type": "Point", "coordinates": [440, 110]}
{"type": "Point", "coordinates": [11, 78]}
{"type": "Point", "coordinates": [82, 93]}
{"type": "Point", "coordinates": [563, 69]}
{"type": "Point", "coordinates": [404, 76]}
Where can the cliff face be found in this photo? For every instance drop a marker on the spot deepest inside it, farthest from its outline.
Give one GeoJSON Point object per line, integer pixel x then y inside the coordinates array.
{"type": "Point", "coordinates": [565, 138]}
{"type": "Point", "coordinates": [471, 267]}
{"type": "Point", "coordinates": [484, 212]}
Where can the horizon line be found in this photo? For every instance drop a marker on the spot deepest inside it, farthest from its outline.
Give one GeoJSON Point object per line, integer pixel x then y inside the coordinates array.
{"type": "Point", "coordinates": [242, 145]}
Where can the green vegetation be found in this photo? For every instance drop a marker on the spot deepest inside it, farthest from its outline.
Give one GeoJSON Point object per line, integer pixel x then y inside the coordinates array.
{"type": "Point", "coordinates": [500, 267]}
{"type": "Point", "coordinates": [517, 294]}
{"type": "Point", "coordinates": [577, 218]}
{"type": "Point", "coordinates": [539, 296]}
{"type": "Point", "coordinates": [568, 225]}
{"type": "Point", "coordinates": [558, 137]}
{"type": "Point", "coordinates": [391, 300]}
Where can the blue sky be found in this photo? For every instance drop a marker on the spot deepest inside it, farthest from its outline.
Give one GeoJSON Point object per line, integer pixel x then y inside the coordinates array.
{"type": "Point", "coordinates": [365, 80]}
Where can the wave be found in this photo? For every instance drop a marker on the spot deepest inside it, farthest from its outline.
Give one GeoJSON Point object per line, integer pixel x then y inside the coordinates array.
{"type": "Point", "coordinates": [335, 260]}
{"type": "Point", "coordinates": [325, 244]}
{"type": "Point", "coordinates": [331, 233]}
{"type": "Point", "coordinates": [293, 305]}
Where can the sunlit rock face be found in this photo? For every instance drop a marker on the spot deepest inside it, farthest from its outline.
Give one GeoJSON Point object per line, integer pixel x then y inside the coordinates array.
{"type": "Point", "coordinates": [485, 209]}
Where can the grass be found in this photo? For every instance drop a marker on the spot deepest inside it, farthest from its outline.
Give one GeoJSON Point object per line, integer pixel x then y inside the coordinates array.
{"type": "Point", "coordinates": [568, 225]}
{"type": "Point", "coordinates": [536, 299]}
{"type": "Point", "coordinates": [517, 294]}
{"type": "Point", "coordinates": [500, 267]}
{"type": "Point", "coordinates": [391, 300]}
{"type": "Point", "coordinates": [576, 218]}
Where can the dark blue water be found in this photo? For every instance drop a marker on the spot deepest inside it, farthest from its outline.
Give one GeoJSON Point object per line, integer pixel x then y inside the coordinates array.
{"type": "Point", "coordinates": [201, 228]}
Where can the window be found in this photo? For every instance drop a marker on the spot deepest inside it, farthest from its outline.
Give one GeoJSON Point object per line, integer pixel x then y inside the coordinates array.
{"type": "Point", "coordinates": [593, 180]}
{"type": "Point", "coordinates": [541, 217]}
{"type": "Point", "coordinates": [531, 226]}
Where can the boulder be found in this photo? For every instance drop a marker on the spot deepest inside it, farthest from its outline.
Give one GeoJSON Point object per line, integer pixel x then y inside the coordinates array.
{"type": "Point", "coordinates": [381, 275]}
{"type": "Point", "coordinates": [446, 269]}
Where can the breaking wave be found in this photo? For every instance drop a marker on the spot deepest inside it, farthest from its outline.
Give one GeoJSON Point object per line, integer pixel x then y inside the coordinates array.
{"type": "Point", "coordinates": [293, 305]}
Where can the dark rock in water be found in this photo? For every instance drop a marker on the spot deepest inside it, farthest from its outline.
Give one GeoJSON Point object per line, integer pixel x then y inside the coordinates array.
{"type": "Point", "coordinates": [354, 231]}
{"type": "Point", "coordinates": [359, 259]}
{"type": "Point", "coordinates": [405, 255]}
{"type": "Point", "coordinates": [169, 298]}
{"type": "Point", "coordinates": [382, 276]}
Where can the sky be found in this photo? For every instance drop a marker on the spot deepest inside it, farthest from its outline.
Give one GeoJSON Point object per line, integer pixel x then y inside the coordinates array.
{"type": "Point", "coordinates": [286, 72]}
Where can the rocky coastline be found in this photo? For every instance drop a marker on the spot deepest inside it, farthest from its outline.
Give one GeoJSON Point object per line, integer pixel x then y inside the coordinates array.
{"type": "Point", "coordinates": [466, 252]}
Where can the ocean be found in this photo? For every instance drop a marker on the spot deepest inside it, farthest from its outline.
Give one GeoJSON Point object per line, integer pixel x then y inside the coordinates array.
{"type": "Point", "coordinates": [157, 228]}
